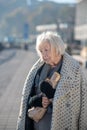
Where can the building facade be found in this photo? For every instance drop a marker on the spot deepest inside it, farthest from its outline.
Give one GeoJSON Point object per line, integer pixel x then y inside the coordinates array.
{"type": "Point", "coordinates": [81, 22]}
{"type": "Point", "coordinates": [81, 29]}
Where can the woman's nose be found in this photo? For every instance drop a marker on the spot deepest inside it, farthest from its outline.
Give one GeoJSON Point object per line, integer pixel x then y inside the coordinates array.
{"type": "Point", "coordinates": [44, 55]}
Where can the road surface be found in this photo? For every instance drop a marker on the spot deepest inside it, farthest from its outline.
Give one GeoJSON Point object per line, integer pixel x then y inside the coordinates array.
{"type": "Point", "coordinates": [14, 67]}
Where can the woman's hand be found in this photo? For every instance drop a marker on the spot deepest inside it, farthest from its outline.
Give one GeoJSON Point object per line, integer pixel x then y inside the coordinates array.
{"type": "Point", "coordinates": [45, 102]}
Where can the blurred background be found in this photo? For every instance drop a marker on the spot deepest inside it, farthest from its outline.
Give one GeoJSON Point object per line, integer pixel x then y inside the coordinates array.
{"type": "Point", "coordinates": [21, 21]}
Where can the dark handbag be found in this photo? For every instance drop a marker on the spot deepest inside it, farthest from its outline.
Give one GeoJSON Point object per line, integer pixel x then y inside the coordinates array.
{"type": "Point", "coordinates": [36, 113]}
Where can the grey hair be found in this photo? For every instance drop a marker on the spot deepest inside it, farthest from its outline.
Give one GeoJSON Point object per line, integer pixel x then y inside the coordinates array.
{"type": "Point", "coordinates": [53, 39]}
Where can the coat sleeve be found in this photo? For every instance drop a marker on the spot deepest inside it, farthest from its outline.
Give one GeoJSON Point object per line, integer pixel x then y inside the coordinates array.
{"type": "Point", "coordinates": [83, 103]}
{"type": "Point", "coordinates": [25, 94]}
{"type": "Point", "coordinates": [24, 100]}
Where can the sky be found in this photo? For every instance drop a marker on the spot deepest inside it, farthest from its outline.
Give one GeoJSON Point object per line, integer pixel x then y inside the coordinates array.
{"type": "Point", "coordinates": [58, 1]}
{"type": "Point", "coordinates": [64, 1]}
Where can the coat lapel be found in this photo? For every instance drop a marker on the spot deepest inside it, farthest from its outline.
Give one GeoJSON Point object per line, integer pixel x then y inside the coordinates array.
{"type": "Point", "coordinates": [63, 85]}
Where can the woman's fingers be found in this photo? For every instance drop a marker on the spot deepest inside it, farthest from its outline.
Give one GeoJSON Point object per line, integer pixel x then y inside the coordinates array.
{"type": "Point", "coordinates": [45, 102]}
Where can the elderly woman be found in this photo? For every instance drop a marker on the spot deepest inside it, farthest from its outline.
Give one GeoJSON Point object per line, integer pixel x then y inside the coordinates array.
{"type": "Point", "coordinates": [68, 109]}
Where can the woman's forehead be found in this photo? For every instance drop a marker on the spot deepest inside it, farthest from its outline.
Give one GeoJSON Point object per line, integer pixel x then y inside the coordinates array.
{"type": "Point", "coordinates": [44, 44]}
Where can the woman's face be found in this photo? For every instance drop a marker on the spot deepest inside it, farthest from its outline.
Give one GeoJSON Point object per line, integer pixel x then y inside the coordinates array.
{"type": "Point", "coordinates": [48, 53]}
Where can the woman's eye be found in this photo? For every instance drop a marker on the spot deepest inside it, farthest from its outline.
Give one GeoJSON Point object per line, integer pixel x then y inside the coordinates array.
{"type": "Point", "coordinates": [46, 49]}
{"type": "Point", "coordinates": [40, 51]}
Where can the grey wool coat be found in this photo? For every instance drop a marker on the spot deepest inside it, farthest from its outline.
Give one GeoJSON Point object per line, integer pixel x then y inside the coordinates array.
{"type": "Point", "coordinates": [70, 99]}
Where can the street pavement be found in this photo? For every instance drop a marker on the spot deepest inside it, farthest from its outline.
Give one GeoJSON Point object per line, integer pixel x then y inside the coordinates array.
{"type": "Point", "coordinates": [14, 67]}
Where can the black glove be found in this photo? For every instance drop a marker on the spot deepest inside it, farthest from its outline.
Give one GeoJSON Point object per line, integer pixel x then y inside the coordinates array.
{"type": "Point", "coordinates": [36, 101]}
{"type": "Point", "coordinates": [47, 89]}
